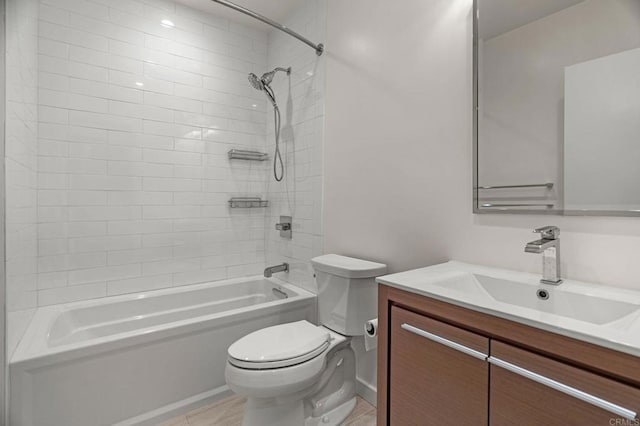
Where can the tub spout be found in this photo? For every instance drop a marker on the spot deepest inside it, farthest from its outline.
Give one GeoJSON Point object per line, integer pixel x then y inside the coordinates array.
{"type": "Point", "coordinates": [278, 268]}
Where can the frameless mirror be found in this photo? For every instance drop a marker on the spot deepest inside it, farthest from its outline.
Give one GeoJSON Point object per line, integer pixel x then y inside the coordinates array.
{"type": "Point", "coordinates": [557, 107]}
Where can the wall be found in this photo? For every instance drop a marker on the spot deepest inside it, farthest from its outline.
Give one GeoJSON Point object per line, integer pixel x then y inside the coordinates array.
{"type": "Point", "coordinates": [301, 102]}
{"type": "Point", "coordinates": [397, 134]}
{"type": "Point", "coordinates": [136, 119]}
{"type": "Point", "coordinates": [522, 90]}
{"type": "Point", "coordinates": [398, 154]}
{"type": "Point", "coordinates": [21, 138]}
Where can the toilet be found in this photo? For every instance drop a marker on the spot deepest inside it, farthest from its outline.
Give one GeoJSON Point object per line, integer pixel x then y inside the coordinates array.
{"type": "Point", "coordinates": [299, 373]}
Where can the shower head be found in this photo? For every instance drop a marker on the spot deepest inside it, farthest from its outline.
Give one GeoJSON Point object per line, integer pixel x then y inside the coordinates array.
{"type": "Point", "coordinates": [256, 82]}
{"type": "Point", "coordinates": [266, 79]}
{"type": "Point", "coordinates": [263, 83]}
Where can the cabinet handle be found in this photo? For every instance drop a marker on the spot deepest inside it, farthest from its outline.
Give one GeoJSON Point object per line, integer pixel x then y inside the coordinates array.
{"type": "Point", "coordinates": [566, 389]}
{"type": "Point", "coordinates": [445, 342]}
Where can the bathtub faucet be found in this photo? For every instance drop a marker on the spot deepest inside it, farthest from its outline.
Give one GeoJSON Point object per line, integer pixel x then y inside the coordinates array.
{"type": "Point", "coordinates": [278, 268]}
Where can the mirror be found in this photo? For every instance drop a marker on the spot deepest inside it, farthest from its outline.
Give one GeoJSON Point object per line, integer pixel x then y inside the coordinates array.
{"type": "Point", "coordinates": [557, 107]}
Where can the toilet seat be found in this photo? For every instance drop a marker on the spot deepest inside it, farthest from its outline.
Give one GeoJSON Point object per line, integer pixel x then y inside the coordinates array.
{"type": "Point", "coordinates": [250, 365]}
{"type": "Point", "coordinates": [285, 381]}
{"type": "Point", "coordinates": [279, 346]}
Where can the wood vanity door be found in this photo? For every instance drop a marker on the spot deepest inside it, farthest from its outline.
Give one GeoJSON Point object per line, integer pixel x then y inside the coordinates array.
{"type": "Point", "coordinates": [432, 383]}
{"type": "Point", "coordinates": [517, 398]}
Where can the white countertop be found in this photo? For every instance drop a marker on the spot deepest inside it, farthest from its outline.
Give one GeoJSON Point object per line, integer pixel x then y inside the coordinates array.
{"type": "Point", "coordinates": [622, 334]}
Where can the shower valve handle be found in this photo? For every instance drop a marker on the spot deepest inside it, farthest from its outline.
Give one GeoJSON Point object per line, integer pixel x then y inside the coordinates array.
{"type": "Point", "coordinates": [283, 226]}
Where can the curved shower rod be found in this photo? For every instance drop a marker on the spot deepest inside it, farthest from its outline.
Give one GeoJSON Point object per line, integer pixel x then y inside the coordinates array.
{"type": "Point", "coordinates": [319, 48]}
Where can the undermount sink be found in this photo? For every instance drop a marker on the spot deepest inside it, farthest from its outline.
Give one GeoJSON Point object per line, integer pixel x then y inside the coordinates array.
{"type": "Point", "coordinates": [583, 307]}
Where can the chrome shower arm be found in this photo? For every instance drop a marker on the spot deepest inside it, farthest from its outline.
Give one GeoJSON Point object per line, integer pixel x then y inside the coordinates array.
{"type": "Point", "coordinates": [267, 77]}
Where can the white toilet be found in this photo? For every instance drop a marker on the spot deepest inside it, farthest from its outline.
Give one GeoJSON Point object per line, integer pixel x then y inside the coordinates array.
{"type": "Point", "coordinates": [298, 373]}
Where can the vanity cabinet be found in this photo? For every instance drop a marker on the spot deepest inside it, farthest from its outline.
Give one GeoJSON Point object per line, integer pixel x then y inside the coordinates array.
{"type": "Point", "coordinates": [535, 390]}
{"type": "Point", "coordinates": [432, 361]}
{"type": "Point", "coordinates": [441, 364]}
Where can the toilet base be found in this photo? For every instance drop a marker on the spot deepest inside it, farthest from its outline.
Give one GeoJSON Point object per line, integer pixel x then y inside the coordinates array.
{"type": "Point", "coordinates": [269, 412]}
{"type": "Point", "coordinates": [334, 417]}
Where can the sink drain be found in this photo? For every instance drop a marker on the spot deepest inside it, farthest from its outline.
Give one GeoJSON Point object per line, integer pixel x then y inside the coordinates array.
{"type": "Point", "coordinates": [542, 294]}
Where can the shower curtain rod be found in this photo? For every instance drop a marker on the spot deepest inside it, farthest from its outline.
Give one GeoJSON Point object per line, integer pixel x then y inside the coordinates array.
{"type": "Point", "coordinates": [319, 48]}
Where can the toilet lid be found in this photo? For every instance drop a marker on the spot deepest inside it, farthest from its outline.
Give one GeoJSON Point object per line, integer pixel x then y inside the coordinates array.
{"type": "Point", "coordinates": [279, 346]}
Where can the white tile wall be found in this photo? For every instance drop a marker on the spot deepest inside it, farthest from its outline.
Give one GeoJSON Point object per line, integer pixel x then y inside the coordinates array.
{"type": "Point", "coordinates": [135, 120]}
{"type": "Point", "coordinates": [301, 101]}
{"type": "Point", "coordinates": [117, 133]}
{"type": "Point", "coordinates": [21, 160]}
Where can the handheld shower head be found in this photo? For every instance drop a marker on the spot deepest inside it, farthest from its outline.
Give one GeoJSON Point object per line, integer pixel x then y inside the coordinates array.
{"type": "Point", "coordinates": [256, 82]}
{"type": "Point", "coordinates": [266, 79]}
{"type": "Point", "coordinates": [272, 96]}
{"type": "Point", "coordinates": [264, 85]}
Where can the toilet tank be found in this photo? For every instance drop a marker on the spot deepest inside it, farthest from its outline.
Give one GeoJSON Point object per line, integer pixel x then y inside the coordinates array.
{"type": "Point", "coordinates": [347, 292]}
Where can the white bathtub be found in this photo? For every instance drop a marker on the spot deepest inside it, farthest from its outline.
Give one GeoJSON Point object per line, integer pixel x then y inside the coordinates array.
{"type": "Point", "coordinates": [140, 358]}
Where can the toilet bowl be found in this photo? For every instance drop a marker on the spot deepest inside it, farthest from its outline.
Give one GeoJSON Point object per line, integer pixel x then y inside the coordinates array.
{"type": "Point", "coordinates": [301, 374]}
{"type": "Point", "coordinates": [293, 374]}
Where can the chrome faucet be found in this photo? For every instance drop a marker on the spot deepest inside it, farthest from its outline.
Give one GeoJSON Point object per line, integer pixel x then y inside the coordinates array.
{"type": "Point", "coordinates": [549, 246]}
{"type": "Point", "coordinates": [278, 268]}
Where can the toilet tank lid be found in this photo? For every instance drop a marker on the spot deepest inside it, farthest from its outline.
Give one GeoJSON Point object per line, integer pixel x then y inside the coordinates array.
{"type": "Point", "coordinates": [348, 267]}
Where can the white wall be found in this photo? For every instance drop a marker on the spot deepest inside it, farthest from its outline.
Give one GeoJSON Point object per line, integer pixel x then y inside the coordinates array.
{"type": "Point", "coordinates": [397, 135]}
{"type": "Point", "coordinates": [21, 139]}
{"type": "Point", "coordinates": [301, 102]}
{"type": "Point", "coordinates": [135, 120]}
{"type": "Point", "coordinates": [398, 154]}
{"type": "Point", "coordinates": [135, 123]}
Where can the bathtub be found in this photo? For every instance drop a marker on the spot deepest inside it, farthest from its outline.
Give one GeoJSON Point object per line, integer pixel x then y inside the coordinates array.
{"type": "Point", "coordinates": [140, 358]}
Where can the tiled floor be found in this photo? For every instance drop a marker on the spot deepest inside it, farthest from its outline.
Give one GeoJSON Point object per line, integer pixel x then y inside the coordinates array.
{"type": "Point", "coordinates": [228, 412]}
